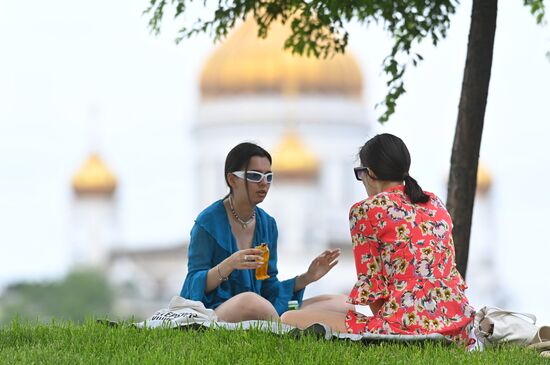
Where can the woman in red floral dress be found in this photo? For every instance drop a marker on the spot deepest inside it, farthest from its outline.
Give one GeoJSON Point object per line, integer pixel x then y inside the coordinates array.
{"type": "Point", "coordinates": [404, 255]}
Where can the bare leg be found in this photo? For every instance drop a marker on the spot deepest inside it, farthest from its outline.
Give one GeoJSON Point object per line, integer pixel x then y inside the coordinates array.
{"type": "Point", "coordinates": [332, 303]}
{"type": "Point", "coordinates": [245, 307]}
{"type": "Point", "coordinates": [305, 318]}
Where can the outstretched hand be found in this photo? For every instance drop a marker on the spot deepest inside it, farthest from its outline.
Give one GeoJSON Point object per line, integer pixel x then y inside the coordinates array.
{"type": "Point", "coordinates": [322, 264]}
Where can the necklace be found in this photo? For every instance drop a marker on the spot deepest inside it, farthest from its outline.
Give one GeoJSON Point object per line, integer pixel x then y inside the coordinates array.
{"type": "Point", "coordinates": [241, 221]}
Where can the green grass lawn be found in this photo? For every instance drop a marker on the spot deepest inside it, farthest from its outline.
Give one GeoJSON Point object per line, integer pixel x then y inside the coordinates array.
{"type": "Point", "coordinates": [90, 343]}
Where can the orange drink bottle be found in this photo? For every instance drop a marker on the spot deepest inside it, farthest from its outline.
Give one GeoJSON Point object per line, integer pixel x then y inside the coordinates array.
{"type": "Point", "coordinates": [261, 272]}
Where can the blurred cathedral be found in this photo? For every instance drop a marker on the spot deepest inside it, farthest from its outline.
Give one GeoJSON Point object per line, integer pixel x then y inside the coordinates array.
{"type": "Point", "coordinates": [308, 113]}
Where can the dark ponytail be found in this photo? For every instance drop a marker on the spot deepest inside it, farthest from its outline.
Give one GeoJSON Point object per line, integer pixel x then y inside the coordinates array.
{"type": "Point", "coordinates": [388, 157]}
{"type": "Point", "coordinates": [414, 191]}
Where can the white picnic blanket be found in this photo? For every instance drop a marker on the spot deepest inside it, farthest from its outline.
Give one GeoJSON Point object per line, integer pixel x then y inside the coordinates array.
{"type": "Point", "coordinates": [182, 313]}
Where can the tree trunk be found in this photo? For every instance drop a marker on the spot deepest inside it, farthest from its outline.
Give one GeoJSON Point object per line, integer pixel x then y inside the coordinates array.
{"type": "Point", "coordinates": [469, 126]}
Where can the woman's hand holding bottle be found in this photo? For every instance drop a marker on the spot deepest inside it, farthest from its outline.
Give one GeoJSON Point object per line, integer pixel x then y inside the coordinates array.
{"type": "Point", "coordinates": [246, 259]}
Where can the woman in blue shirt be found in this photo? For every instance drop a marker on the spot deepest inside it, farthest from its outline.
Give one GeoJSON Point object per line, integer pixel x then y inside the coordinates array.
{"type": "Point", "coordinates": [222, 257]}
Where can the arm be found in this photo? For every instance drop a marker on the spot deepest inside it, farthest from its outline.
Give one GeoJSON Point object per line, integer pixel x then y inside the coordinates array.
{"type": "Point", "coordinates": [221, 272]}
{"type": "Point", "coordinates": [203, 276]}
{"type": "Point", "coordinates": [371, 286]}
{"type": "Point", "coordinates": [217, 275]}
{"type": "Point", "coordinates": [200, 261]}
{"type": "Point", "coordinates": [302, 281]}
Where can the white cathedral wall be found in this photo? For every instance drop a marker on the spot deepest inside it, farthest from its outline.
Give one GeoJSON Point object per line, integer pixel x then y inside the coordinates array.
{"type": "Point", "coordinates": [93, 229]}
{"type": "Point", "coordinates": [278, 110]}
{"type": "Point", "coordinates": [295, 207]}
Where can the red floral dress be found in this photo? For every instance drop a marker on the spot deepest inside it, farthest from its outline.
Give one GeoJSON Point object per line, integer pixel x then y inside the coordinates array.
{"type": "Point", "coordinates": [404, 255]}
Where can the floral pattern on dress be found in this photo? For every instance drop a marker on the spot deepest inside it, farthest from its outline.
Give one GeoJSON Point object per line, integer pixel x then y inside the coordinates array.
{"type": "Point", "coordinates": [404, 256]}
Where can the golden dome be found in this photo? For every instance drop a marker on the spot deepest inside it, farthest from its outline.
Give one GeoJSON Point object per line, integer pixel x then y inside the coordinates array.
{"type": "Point", "coordinates": [94, 177]}
{"type": "Point", "coordinates": [246, 64]}
{"type": "Point", "coordinates": [292, 159]}
{"type": "Point", "coordinates": [484, 178]}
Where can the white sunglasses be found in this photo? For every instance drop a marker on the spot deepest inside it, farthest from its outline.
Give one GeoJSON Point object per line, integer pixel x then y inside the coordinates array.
{"type": "Point", "coordinates": [254, 176]}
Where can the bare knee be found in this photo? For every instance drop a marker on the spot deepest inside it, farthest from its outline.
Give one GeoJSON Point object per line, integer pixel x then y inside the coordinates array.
{"type": "Point", "coordinates": [255, 306]}
{"type": "Point", "coordinates": [290, 317]}
{"type": "Point", "coordinates": [247, 306]}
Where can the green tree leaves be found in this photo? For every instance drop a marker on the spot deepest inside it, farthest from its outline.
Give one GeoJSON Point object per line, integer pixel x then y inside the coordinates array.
{"type": "Point", "coordinates": [537, 9]}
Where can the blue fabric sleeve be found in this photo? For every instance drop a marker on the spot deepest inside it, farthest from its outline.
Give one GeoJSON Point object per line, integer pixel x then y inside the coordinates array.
{"type": "Point", "coordinates": [279, 293]}
{"type": "Point", "coordinates": [200, 261]}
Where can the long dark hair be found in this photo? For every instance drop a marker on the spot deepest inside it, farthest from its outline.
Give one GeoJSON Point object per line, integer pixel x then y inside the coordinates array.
{"type": "Point", "coordinates": [239, 157]}
{"type": "Point", "coordinates": [388, 157]}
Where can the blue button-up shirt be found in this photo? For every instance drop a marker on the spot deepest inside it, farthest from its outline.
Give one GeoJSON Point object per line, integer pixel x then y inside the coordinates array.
{"type": "Point", "coordinates": [212, 242]}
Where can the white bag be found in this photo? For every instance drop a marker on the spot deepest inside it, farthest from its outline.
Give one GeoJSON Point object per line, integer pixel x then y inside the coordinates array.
{"type": "Point", "coordinates": [494, 325]}
{"type": "Point", "coordinates": [180, 311]}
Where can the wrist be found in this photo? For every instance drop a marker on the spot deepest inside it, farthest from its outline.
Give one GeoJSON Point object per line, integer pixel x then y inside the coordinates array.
{"type": "Point", "coordinates": [222, 276]}
{"type": "Point", "coordinates": [306, 278]}
{"type": "Point", "coordinates": [227, 267]}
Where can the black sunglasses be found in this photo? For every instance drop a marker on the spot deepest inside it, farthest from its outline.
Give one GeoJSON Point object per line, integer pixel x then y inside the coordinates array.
{"type": "Point", "coordinates": [358, 172]}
